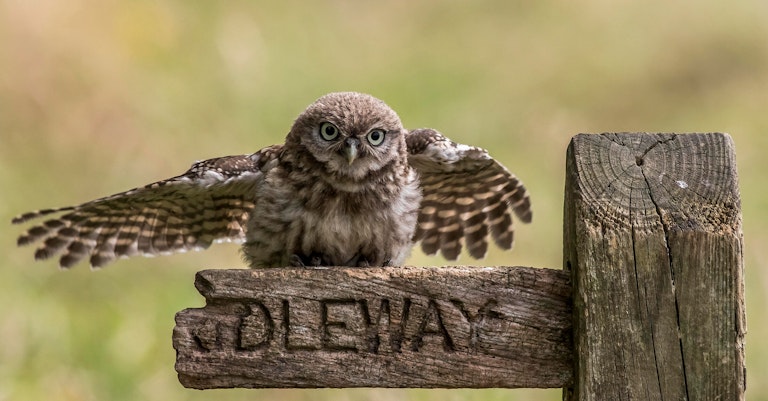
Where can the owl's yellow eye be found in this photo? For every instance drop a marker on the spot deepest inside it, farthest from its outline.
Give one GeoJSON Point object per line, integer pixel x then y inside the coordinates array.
{"type": "Point", "coordinates": [328, 131]}
{"type": "Point", "coordinates": [376, 137]}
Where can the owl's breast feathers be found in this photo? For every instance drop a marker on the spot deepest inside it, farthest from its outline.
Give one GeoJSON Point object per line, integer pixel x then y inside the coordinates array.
{"type": "Point", "coordinates": [302, 209]}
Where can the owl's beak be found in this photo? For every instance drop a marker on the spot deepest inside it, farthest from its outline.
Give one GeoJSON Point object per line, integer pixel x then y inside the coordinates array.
{"type": "Point", "coordinates": [350, 149]}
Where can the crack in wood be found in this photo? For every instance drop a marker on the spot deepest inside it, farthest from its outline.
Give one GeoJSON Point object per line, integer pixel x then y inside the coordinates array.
{"type": "Point", "coordinates": [665, 228]}
{"type": "Point", "coordinates": [650, 191]}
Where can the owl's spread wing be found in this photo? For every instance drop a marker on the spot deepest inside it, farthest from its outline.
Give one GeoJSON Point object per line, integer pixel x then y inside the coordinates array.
{"type": "Point", "coordinates": [208, 203]}
{"type": "Point", "coordinates": [468, 196]}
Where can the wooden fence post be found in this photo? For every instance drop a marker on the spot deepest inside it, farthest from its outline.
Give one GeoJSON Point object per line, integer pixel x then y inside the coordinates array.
{"type": "Point", "coordinates": [653, 240]}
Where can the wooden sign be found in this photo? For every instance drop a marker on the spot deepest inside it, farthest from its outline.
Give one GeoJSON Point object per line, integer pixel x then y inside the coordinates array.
{"type": "Point", "coordinates": [377, 327]}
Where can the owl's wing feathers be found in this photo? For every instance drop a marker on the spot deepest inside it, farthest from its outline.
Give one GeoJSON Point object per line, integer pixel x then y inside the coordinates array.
{"type": "Point", "coordinates": [208, 203]}
{"type": "Point", "coordinates": [467, 195]}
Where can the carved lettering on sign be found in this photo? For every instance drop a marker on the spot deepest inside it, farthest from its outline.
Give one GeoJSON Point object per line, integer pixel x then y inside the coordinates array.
{"type": "Point", "coordinates": [256, 329]}
{"type": "Point", "coordinates": [388, 325]}
{"type": "Point", "coordinates": [206, 335]}
{"type": "Point", "coordinates": [301, 341]}
{"type": "Point", "coordinates": [432, 325]}
{"type": "Point", "coordinates": [477, 319]}
{"type": "Point", "coordinates": [335, 330]}
{"type": "Point", "coordinates": [358, 325]}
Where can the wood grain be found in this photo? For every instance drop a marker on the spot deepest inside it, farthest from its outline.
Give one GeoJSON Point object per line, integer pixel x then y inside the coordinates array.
{"type": "Point", "coordinates": [377, 327]}
{"type": "Point", "coordinates": [652, 236]}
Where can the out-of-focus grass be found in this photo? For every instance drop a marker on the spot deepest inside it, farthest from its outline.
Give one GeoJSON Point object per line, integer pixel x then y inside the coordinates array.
{"type": "Point", "coordinates": [98, 97]}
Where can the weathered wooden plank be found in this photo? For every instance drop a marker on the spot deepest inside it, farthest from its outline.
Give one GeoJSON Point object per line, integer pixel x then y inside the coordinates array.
{"type": "Point", "coordinates": [377, 327]}
{"type": "Point", "coordinates": [653, 239]}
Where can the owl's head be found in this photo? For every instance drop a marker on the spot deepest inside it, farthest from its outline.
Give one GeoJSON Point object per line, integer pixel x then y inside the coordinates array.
{"type": "Point", "coordinates": [350, 134]}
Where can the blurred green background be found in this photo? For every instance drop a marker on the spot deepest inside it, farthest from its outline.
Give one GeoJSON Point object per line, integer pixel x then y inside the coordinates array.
{"type": "Point", "coordinates": [98, 97]}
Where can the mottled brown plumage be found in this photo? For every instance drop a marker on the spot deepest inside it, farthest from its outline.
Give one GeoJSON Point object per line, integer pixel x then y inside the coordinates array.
{"type": "Point", "coordinates": [350, 186]}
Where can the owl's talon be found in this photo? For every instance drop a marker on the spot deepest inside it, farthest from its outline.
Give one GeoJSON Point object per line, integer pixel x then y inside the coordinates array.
{"type": "Point", "coordinates": [314, 260]}
{"type": "Point", "coordinates": [296, 261]}
{"type": "Point", "coordinates": [358, 261]}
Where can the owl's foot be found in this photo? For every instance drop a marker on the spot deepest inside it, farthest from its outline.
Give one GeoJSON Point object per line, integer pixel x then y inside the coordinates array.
{"type": "Point", "coordinates": [357, 261]}
{"type": "Point", "coordinates": [362, 261]}
{"type": "Point", "coordinates": [295, 261]}
{"type": "Point", "coordinates": [313, 260]}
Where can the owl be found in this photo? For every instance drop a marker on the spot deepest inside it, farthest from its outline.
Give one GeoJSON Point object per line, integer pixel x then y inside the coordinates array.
{"type": "Point", "coordinates": [349, 187]}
